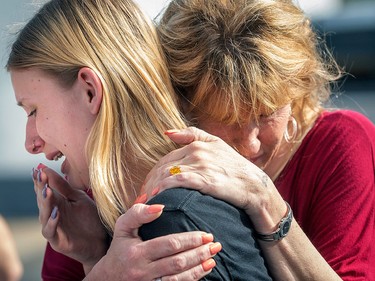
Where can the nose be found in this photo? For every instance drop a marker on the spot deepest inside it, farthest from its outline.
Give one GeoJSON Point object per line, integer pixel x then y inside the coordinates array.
{"type": "Point", "coordinates": [33, 143]}
{"type": "Point", "coordinates": [246, 141]}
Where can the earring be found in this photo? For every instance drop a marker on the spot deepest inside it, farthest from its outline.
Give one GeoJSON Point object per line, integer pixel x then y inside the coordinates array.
{"type": "Point", "coordinates": [289, 137]}
{"type": "Point", "coordinates": [33, 145]}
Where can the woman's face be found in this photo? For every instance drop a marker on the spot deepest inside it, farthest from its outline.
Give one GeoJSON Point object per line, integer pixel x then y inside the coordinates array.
{"type": "Point", "coordinates": [259, 143]}
{"type": "Point", "coordinates": [58, 121]}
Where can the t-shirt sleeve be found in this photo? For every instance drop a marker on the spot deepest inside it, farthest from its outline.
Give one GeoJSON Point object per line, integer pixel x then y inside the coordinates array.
{"type": "Point", "coordinates": [58, 267]}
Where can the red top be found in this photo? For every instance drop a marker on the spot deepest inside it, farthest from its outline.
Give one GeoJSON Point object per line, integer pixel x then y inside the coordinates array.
{"type": "Point", "coordinates": [329, 184]}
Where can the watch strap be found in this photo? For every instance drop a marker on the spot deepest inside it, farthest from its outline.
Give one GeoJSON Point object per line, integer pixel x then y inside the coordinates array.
{"type": "Point", "coordinates": [282, 230]}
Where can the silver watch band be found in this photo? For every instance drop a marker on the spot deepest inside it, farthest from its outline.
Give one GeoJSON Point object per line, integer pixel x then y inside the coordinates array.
{"type": "Point", "coordinates": [282, 230]}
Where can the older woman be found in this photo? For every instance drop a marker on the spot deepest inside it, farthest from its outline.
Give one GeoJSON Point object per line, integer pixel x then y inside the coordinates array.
{"type": "Point", "coordinates": [251, 73]}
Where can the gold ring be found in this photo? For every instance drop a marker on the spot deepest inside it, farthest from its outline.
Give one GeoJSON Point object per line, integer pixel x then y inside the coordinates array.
{"type": "Point", "coordinates": [175, 170]}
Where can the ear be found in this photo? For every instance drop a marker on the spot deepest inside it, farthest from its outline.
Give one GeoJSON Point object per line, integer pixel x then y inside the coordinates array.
{"type": "Point", "coordinates": [92, 88]}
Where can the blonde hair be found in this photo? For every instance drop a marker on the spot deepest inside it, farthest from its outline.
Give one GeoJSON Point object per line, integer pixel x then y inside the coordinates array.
{"type": "Point", "coordinates": [235, 59]}
{"type": "Point", "coordinates": [119, 43]}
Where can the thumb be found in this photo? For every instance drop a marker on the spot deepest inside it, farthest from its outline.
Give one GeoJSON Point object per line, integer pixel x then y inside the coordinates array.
{"type": "Point", "coordinates": [190, 134]}
{"type": "Point", "coordinates": [127, 225]}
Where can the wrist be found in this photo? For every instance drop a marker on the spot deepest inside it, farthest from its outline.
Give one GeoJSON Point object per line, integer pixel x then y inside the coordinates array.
{"type": "Point", "coordinates": [100, 254]}
{"type": "Point", "coordinates": [281, 230]}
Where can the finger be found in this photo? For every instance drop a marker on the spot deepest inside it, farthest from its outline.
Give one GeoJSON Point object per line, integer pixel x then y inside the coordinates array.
{"type": "Point", "coordinates": [190, 134]}
{"type": "Point", "coordinates": [127, 225]}
{"type": "Point", "coordinates": [46, 199]}
{"type": "Point", "coordinates": [38, 180]}
{"type": "Point", "coordinates": [192, 263]}
{"type": "Point", "coordinates": [195, 273]}
{"type": "Point", "coordinates": [49, 230]}
{"type": "Point", "coordinates": [169, 245]}
{"type": "Point", "coordinates": [191, 179]}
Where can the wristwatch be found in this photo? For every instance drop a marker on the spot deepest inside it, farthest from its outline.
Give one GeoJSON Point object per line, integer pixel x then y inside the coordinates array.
{"type": "Point", "coordinates": [283, 229]}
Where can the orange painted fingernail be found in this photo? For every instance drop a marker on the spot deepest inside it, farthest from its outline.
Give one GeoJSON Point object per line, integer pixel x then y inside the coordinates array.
{"type": "Point", "coordinates": [215, 248]}
{"type": "Point", "coordinates": [141, 199]}
{"type": "Point", "coordinates": [171, 132]}
{"type": "Point", "coordinates": [153, 209]}
{"type": "Point", "coordinates": [155, 191]}
{"type": "Point", "coordinates": [208, 264]}
{"type": "Point", "coordinates": [207, 238]}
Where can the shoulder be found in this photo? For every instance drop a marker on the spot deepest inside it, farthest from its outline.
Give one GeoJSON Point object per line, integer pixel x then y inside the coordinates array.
{"type": "Point", "coordinates": [343, 129]}
{"type": "Point", "coordinates": [345, 119]}
{"type": "Point", "coordinates": [187, 210]}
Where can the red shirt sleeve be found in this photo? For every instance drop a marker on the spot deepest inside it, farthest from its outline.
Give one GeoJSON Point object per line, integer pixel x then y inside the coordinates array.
{"type": "Point", "coordinates": [57, 267]}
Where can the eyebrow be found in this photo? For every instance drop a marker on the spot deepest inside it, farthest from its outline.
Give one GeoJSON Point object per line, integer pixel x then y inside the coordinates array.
{"type": "Point", "coordinates": [19, 103]}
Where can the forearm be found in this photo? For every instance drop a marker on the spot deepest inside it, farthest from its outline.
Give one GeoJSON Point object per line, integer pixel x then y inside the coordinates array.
{"type": "Point", "coordinates": [295, 258]}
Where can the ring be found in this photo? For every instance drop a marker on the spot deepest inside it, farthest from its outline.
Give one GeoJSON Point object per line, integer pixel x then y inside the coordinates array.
{"type": "Point", "coordinates": [175, 170]}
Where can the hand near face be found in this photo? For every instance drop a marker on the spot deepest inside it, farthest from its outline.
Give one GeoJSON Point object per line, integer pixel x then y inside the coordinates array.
{"type": "Point", "coordinates": [182, 256]}
{"type": "Point", "coordinates": [69, 218]}
{"type": "Point", "coordinates": [211, 166]}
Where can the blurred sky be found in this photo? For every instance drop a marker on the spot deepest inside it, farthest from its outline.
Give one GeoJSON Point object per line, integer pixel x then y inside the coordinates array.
{"type": "Point", "coordinates": [14, 161]}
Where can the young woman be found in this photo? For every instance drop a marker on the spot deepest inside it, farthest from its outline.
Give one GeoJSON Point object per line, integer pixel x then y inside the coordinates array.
{"type": "Point", "coordinates": [92, 80]}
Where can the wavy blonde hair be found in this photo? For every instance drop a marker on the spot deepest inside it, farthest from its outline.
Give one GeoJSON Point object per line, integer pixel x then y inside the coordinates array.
{"type": "Point", "coordinates": [235, 59]}
{"type": "Point", "coordinates": [117, 41]}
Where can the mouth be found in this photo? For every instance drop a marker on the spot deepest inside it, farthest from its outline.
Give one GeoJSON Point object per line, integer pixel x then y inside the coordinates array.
{"type": "Point", "coordinates": [58, 156]}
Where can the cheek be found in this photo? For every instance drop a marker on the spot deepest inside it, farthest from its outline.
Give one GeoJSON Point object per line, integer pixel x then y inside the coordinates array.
{"type": "Point", "coordinates": [272, 135]}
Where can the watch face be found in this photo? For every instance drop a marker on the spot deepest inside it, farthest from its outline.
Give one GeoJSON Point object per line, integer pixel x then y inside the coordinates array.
{"type": "Point", "coordinates": [285, 228]}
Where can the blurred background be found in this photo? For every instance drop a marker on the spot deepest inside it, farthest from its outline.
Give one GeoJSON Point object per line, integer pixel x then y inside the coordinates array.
{"type": "Point", "coordinates": [348, 27]}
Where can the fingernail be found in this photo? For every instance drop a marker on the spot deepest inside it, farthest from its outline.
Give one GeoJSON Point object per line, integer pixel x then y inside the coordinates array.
{"type": "Point", "coordinates": [33, 173]}
{"type": "Point", "coordinates": [208, 264]}
{"type": "Point", "coordinates": [215, 248]}
{"type": "Point", "coordinates": [54, 213]}
{"type": "Point", "coordinates": [153, 209]}
{"type": "Point", "coordinates": [207, 238]}
{"type": "Point", "coordinates": [171, 132]}
{"type": "Point", "coordinates": [41, 166]}
{"type": "Point", "coordinates": [155, 191]}
{"type": "Point", "coordinates": [44, 191]}
{"type": "Point", "coordinates": [141, 199]}
{"type": "Point", "coordinates": [39, 175]}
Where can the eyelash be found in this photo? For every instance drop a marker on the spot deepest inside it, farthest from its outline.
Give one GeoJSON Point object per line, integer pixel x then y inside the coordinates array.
{"type": "Point", "coordinates": [32, 113]}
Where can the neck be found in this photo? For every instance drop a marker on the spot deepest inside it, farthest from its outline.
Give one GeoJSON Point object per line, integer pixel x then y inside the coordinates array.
{"type": "Point", "coordinates": [282, 158]}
